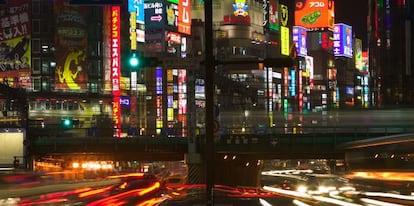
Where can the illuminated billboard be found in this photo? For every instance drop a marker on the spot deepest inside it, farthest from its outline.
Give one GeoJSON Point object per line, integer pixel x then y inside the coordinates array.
{"type": "Point", "coordinates": [173, 42]}
{"type": "Point", "coordinates": [15, 46]}
{"type": "Point", "coordinates": [309, 69]}
{"type": "Point", "coordinates": [184, 16]}
{"type": "Point", "coordinates": [240, 8]}
{"type": "Point", "coordinates": [107, 49]}
{"type": "Point", "coordinates": [284, 40]}
{"type": "Point", "coordinates": [284, 30]}
{"type": "Point", "coordinates": [137, 6]}
{"type": "Point", "coordinates": [274, 15]}
{"type": "Point", "coordinates": [171, 16]}
{"type": "Point", "coordinates": [365, 62]}
{"type": "Point", "coordinates": [116, 68]}
{"type": "Point", "coordinates": [71, 45]}
{"type": "Point", "coordinates": [342, 40]}
{"type": "Point", "coordinates": [313, 14]}
{"type": "Point", "coordinates": [137, 22]}
{"type": "Point", "coordinates": [299, 38]}
{"type": "Point", "coordinates": [158, 100]}
{"type": "Point", "coordinates": [154, 14]}
{"type": "Point", "coordinates": [358, 54]}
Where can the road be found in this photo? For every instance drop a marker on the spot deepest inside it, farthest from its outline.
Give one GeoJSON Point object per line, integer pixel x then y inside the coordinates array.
{"type": "Point", "coordinates": [277, 188]}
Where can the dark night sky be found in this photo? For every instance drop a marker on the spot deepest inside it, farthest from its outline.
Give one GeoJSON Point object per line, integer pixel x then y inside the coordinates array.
{"type": "Point", "coordinates": [354, 13]}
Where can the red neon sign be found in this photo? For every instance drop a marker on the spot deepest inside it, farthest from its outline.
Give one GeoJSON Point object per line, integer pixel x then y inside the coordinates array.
{"type": "Point", "coordinates": [116, 68]}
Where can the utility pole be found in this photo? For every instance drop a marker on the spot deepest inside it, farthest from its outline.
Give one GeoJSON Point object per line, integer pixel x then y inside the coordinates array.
{"type": "Point", "coordinates": [209, 154]}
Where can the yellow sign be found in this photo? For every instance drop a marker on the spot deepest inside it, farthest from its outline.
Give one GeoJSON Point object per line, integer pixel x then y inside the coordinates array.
{"type": "Point", "coordinates": [284, 40]}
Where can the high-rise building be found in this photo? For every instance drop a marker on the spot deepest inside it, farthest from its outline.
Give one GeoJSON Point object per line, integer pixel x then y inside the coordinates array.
{"type": "Point", "coordinates": [390, 46]}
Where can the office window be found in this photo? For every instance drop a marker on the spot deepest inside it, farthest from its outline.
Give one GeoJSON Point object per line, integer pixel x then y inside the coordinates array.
{"type": "Point", "coordinates": [45, 84]}
{"type": "Point", "coordinates": [36, 26]}
{"type": "Point", "coordinates": [35, 7]}
{"type": "Point", "coordinates": [45, 67]}
{"type": "Point", "coordinates": [36, 65]}
{"type": "Point", "coordinates": [36, 84]}
{"type": "Point", "coordinates": [36, 46]}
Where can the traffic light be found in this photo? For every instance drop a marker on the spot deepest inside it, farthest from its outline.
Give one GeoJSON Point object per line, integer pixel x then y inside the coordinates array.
{"type": "Point", "coordinates": [142, 62]}
{"type": "Point", "coordinates": [133, 60]}
{"type": "Point", "coordinates": [67, 123]}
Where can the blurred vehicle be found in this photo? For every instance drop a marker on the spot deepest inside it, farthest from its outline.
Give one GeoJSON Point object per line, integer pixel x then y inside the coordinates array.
{"type": "Point", "coordinates": [225, 195]}
{"type": "Point", "coordinates": [174, 181]}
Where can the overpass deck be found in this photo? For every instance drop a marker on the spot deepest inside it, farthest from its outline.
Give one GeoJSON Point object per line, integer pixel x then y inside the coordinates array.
{"type": "Point", "coordinates": [263, 146]}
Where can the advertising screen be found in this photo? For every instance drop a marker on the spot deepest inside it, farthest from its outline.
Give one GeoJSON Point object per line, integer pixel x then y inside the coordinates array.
{"type": "Point", "coordinates": [137, 6]}
{"type": "Point", "coordinates": [184, 17]}
{"type": "Point", "coordinates": [274, 15]}
{"type": "Point", "coordinates": [15, 58]}
{"type": "Point", "coordinates": [342, 40]}
{"type": "Point", "coordinates": [358, 54]}
{"type": "Point", "coordinates": [116, 68]}
{"type": "Point", "coordinates": [284, 40]}
{"type": "Point", "coordinates": [313, 14]}
{"type": "Point", "coordinates": [154, 14]}
{"type": "Point", "coordinates": [299, 38]}
{"type": "Point", "coordinates": [137, 21]}
{"type": "Point", "coordinates": [171, 16]}
{"type": "Point", "coordinates": [71, 45]}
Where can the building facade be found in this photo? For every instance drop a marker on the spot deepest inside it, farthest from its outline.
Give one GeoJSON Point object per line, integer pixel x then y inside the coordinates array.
{"type": "Point", "coordinates": [390, 52]}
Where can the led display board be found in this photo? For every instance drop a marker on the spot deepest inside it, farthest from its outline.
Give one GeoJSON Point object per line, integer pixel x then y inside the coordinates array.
{"type": "Point", "coordinates": [342, 40]}
{"type": "Point", "coordinates": [313, 14]}
{"type": "Point", "coordinates": [299, 38]}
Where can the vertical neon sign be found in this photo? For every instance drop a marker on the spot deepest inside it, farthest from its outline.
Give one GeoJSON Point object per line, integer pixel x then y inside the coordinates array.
{"type": "Point", "coordinates": [158, 100]}
{"type": "Point", "coordinates": [116, 69]}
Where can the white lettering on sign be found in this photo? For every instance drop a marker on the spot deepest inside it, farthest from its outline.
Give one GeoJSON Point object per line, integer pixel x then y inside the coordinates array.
{"type": "Point", "coordinates": [153, 5]}
{"type": "Point", "coordinates": [265, 12]}
{"type": "Point", "coordinates": [186, 15]}
{"type": "Point", "coordinates": [174, 37]}
{"type": "Point", "coordinates": [316, 4]}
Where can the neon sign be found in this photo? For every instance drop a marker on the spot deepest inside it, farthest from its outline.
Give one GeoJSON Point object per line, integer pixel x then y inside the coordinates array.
{"type": "Point", "coordinates": [342, 40]}
{"type": "Point", "coordinates": [116, 68]}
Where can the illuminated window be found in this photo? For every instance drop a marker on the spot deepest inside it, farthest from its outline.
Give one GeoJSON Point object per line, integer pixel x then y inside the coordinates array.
{"type": "Point", "coordinates": [36, 84]}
